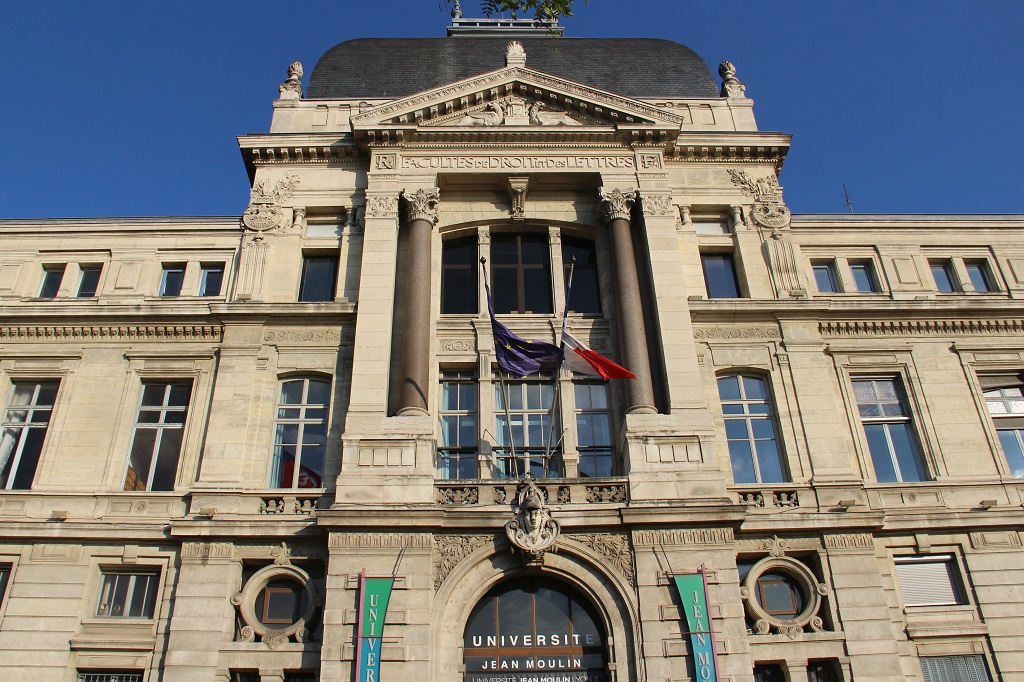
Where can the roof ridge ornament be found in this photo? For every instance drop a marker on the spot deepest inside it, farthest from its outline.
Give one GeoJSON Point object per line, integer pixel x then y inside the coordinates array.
{"type": "Point", "coordinates": [515, 54]}
{"type": "Point", "coordinates": [731, 86]}
{"type": "Point", "coordinates": [292, 87]}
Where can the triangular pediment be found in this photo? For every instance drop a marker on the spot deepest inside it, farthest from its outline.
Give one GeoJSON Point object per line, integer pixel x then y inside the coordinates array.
{"type": "Point", "coordinates": [514, 97]}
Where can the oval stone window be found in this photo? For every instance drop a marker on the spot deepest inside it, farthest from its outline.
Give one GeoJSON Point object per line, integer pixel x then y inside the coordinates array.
{"type": "Point", "coordinates": [534, 627]}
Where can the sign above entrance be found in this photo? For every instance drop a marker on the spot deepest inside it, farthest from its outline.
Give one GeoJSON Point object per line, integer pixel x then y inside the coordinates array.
{"type": "Point", "coordinates": [519, 163]}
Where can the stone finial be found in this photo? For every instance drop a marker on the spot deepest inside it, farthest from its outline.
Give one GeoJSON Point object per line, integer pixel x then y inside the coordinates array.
{"type": "Point", "coordinates": [422, 204]}
{"type": "Point", "coordinates": [616, 204]}
{"type": "Point", "coordinates": [731, 87]}
{"type": "Point", "coordinates": [456, 11]}
{"type": "Point", "coordinates": [515, 54]}
{"type": "Point", "coordinates": [292, 88]}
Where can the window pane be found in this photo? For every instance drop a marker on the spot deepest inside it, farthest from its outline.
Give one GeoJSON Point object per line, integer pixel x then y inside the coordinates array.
{"type": "Point", "coordinates": [754, 388]}
{"type": "Point", "coordinates": [729, 388]}
{"type": "Point", "coordinates": [585, 295]}
{"type": "Point", "coordinates": [720, 276]}
{"type": "Point", "coordinates": [52, 276]}
{"type": "Point", "coordinates": [943, 275]}
{"type": "Point", "coordinates": [318, 392]}
{"type": "Point", "coordinates": [1011, 441]}
{"type": "Point", "coordinates": [88, 283]}
{"type": "Point", "coordinates": [318, 278]}
{"type": "Point", "coordinates": [139, 461]}
{"type": "Point", "coordinates": [173, 277]}
{"type": "Point", "coordinates": [458, 276]}
{"type": "Point", "coordinates": [881, 457]}
{"type": "Point", "coordinates": [907, 454]}
{"type": "Point", "coordinates": [742, 462]}
{"type": "Point", "coordinates": [768, 462]}
{"type": "Point", "coordinates": [864, 276]}
{"type": "Point", "coordinates": [167, 459]}
{"type": "Point", "coordinates": [29, 460]}
{"type": "Point", "coordinates": [212, 279]}
{"type": "Point", "coordinates": [505, 290]}
{"type": "Point", "coordinates": [978, 272]}
{"type": "Point", "coordinates": [825, 277]}
{"type": "Point", "coordinates": [291, 392]}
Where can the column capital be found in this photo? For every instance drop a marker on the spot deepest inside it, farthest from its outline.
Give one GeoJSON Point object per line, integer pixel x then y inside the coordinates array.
{"type": "Point", "coordinates": [422, 204]}
{"type": "Point", "coordinates": [615, 204]}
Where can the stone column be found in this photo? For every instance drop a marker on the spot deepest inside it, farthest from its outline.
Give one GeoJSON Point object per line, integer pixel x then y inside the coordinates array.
{"type": "Point", "coordinates": [614, 210]}
{"type": "Point", "coordinates": [421, 208]}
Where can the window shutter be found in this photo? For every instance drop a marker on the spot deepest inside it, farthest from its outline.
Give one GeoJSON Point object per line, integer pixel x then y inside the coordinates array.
{"type": "Point", "coordinates": [954, 669]}
{"type": "Point", "coordinates": [926, 583]}
{"type": "Point", "coordinates": [990, 382]}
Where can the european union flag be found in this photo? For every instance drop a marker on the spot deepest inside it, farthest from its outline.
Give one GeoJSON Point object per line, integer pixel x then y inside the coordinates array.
{"type": "Point", "coordinates": [516, 355]}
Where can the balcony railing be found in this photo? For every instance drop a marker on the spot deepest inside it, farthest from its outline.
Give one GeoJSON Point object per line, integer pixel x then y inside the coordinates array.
{"type": "Point", "coordinates": [557, 491]}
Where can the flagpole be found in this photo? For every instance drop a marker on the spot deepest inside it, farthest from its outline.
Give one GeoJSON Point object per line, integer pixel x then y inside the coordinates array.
{"type": "Point", "coordinates": [557, 400]}
{"type": "Point", "coordinates": [504, 393]}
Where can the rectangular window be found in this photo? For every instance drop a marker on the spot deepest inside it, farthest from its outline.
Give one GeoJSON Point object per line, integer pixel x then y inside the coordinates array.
{"type": "Point", "coordinates": [172, 279]}
{"type": "Point", "coordinates": [52, 276]}
{"type": "Point", "coordinates": [128, 595]}
{"type": "Point", "coordinates": [769, 672]}
{"type": "Point", "coordinates": [822, 671]}
{"type": "Point", "coordinates": [929, 580]}
{"type": "Point", "coordinates": [980, 275]}
{"type": "Point", "coordinates": [211, 279]}
{"type": "Point", "coordinates": [720, 275]}
{"type": "Point", "coordinates": [580, 256]}
{"type": "Point", "coordinates": [863, 272]}
{"type": "Point", "coordinates": [319, 278]}
{"type": "Point", "coordinates": [530, 418]}
{"type": "Point", "coordinates": [942, 273]}
{"type": "Point", "coordinates": [456, 451]}
{"type": "Point", "coordinates": [886, 419]}
{"type": "Point", "coordinates": [159, 431]}
{"type": "Point", "coordinates": [300, 434]}
{"type": "Point", "coordinates": [5, 578]}
{"type": "Point", "coordinates": [593, 429]}
{"type": "Point", "coordinates": [1004, 396]}
{"type": "Point", "coordinates": [89, 281]}
{"type": "Point", "coordinates": [116, 676]}
{"type": "Point", "coordinates": [825, 277]}
{"type": "Point", "coordinates": [299, 676]}
{"type": "Point", "coordinates": [954, 669]}
{"type": "Point", "coordinates": [245, 676]}
{"type": "Point", "coordinates": [711, 225]}
{"type": "Point", "coordinates": [458, 276]}
{"type": "Point", "coordinates": [24, 431]}
{"type": "Point", "coordinates": [521, 274]}
{"type": "Point", "coordinates": [750, 430]}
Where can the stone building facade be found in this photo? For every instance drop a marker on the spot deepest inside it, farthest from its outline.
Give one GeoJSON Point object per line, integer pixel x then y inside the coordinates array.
{"type": "Point", "coordinates": [213, 427]}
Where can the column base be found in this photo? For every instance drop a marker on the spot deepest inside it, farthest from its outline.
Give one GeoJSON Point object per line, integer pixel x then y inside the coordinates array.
{"type": "Point", "coordinates": [642, 409]}
{"type": "Point", "coordinates": [413, 412]}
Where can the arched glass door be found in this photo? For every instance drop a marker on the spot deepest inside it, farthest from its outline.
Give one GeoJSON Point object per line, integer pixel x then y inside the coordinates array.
{"type": "Point", "coordinates": [535, 629]}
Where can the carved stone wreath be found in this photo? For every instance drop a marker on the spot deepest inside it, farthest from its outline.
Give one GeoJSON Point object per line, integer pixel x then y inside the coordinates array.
{"type": "Point", "coordinates": [813, 591]}
{"type": "Point", "coordinates": [245, 602]}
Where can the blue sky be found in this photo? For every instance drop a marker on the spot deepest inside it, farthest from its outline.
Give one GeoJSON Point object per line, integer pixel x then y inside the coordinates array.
{"type": "Point", "coordinates": [131, 108]}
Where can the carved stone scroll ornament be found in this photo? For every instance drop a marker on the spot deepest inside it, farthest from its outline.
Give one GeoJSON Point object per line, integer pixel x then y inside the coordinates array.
{"type": "Point", "coordinates": [532, 531]}
{"type": "Point", "coordinates": [657, 204]}
{"type": "Point", "coordinates": [264, 212]}
{"type": "Point", "coordinates": [731, 86]}
{"type": "Point", "coordinates": [517, 188]}
{"type": "Point", "coordinates": [768, 210]}
{"type": "Point", "coordinates": [292, 88]}
{"type": "Point", "coordinates": [616, 204]}
{"type": "Point", "coordinates": [422, 204]}
{"type": "Point", "coordinates": [515, 54]}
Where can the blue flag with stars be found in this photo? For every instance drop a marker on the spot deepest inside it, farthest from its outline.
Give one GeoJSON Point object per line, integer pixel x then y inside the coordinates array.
{"type": "Point", "coordinates": [519, 356]}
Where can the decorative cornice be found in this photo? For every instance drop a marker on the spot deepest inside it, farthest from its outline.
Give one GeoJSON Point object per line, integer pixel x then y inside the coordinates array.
{"type": "Point", "coordinates": [955, 327]}
{"type": "Point", "coordinates": [767, 332]}
{"type": "Point", "coordinates": [658, 538]}
{"type": "Point", "coordinates": [112, 333]}
{"type": "Point", "coordinates": [850, 541]}
{"type": "Point", "coordinates": [379, 540]}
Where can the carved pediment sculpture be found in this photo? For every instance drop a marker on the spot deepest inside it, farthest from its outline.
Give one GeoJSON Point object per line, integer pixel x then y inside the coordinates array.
{"type": "Point", "coordinates": [515, 111]}
{"type": "Point", "coordinates": [769, 209]}
{"type": "Point", "coordinates": [264, 212]}
{"type": "Point", "coordinates": [532, 531]}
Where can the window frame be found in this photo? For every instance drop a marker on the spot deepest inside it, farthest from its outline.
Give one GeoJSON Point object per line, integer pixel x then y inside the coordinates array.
{"type": "Point", "coordinates": [151, 592]}
{"type": "Point", "coordinates": [954, 571]}
{"type": "Point", "coordinates": [969, 676]}
{"type": "Point", "coordinates": [524, 280]}
{"type": "Point", "coordinates": [157, 443]}
{"type": "Point", "coordinates": [948, 270]}
{"type": "Point", "coordinates": [447, 243]}
{"type": "Point", "coordinates": [277, 461]}
{"type": "Point", "coordinates": [83, 270]}
{"type": "Point", "coordinates": [829, 268]}
{"type": "Point", "coordinates": [318, 256]}
{"type": "Point", "coordinates": [25, 427]}
{"type": "Point", "coordinates": [527, 455]}
{"type": "Point", "coordinates": [592, 452]}
{"type": "Point", "coordinates": [166, 269]}
{"type": "Point", "coordinates": [53, 278]}
{"type": "Point", "coordinates": [1007, 422]}
{"type": "Point", "coordinates": [459, 453]}
{"type": "Point", "coordinates": [984, 271]}
{"type": "Point", "coordinates": [748, 418]}
{"type": "Point", "coordinates": [910, 418]}
{"type": "Point", "coordinates": [870, 270]}
{"type": "Point", "coordinates": [726, 257]}
{"type": "Point", "coordinates": [204, 273]}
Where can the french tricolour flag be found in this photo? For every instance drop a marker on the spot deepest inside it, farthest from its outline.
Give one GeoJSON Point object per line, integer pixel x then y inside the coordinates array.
{"type": "Point", "coordinates": [581, 359]}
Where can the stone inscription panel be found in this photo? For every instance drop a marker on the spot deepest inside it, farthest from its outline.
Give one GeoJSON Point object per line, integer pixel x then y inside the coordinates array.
{"type": "Point", "coordinates": [499, 163]}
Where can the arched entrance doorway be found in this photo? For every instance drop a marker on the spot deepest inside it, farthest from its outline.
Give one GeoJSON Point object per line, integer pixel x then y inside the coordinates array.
{"type": "Point", "coordinates": [535, 629]}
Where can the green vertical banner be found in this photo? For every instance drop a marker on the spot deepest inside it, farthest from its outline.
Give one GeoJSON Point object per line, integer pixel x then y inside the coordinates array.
{"type": "Point", "coordinates": [693, 593]}
{"type": "Point", "coordinates": [374, 595]}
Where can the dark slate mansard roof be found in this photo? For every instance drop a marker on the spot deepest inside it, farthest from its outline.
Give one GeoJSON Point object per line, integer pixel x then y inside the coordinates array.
{"type": "Point", "coordinates": [388, 68]}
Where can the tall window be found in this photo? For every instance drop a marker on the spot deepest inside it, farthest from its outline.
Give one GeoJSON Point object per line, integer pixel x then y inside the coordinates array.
{"type": "Point", "coordinates": [980, 276]}
{"type": "Point", "coordinates": [456, 451]}
{"type": "Point", "coordinates": [24, 431]}
{"type": "Point", "coordinates": [750, 430]}
{"type": "Point", "coordinates": [159, 431]}
{"type": "Point", "coordinates": [52, 276]}
{"type": "Point", "coordinates": [1004, 396]}
{"type": "Point", "coordinates": [128, 595]}
{"type": "Point", "coordinates": [886, 418]}
{"type": "Point", "coordinates": [942, 273]}
{"type": "Point", "coordinates": [530, 416]}
{"type": "Point", "coordinates": [89, 281]}
{"type": "Point", "coordinates": [586, 295]}
{"type": "Point", "coordinates": [300, 434]}
{"type": "Point", "coordinates": [211, 279]}
{"type": "Point", "coordinates": [825, 277]}
{"type": "Point", "coordinates": [720, 275]}
{"type": "Point", "coordinates": [593, 431]}
{"type": "Point", "coordinates": [172, 279]}
{"type": "Point", "coordinates": [319, 278]}
{"type": "Point", "coordinates": [521, 273]}
{"type": "Point", "coordinates": [863, 272]}
{"type": "Point", "coordinates": [458, 276]}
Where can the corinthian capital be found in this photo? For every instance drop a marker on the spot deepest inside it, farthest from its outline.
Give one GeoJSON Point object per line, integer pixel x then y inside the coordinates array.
{"type": "Point", "coordinates": [422, 204]}
{"type": "Point", "coordinates": [615, 204]}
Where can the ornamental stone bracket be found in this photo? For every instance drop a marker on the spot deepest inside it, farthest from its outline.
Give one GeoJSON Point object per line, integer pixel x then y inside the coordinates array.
{"type": "Point", "coordinates": [532, 531]}
{"type": "Point", "coordinates": [616, 204]}
{"type": "Point", "coordinates": [422, 204]}
{"type": "Point", "coordinates": [265, 212]}
{"type": "Point", "coordinates": [768, 209]}
{"type": "Point", "coordinates": [517, 188]}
